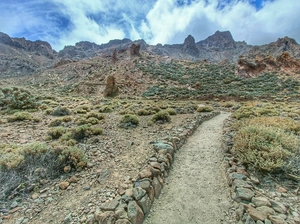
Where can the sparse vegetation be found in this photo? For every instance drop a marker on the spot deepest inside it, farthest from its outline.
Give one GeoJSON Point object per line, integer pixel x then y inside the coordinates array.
{"type": "Point", "coordinates": [161, 117]}
{"type": "Point", "coordinates": [129, 121]}
{"type": "Point", "coordinates": [203, 108]}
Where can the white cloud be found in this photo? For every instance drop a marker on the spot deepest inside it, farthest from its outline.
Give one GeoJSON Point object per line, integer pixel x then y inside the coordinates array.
{"type": "Point", "coordinates": [156, 21]}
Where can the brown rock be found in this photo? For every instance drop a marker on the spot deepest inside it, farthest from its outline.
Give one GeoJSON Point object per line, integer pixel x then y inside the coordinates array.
{"type": "Point", "coordinates": [15, 210]}
{"type": "Point", "coordinates": [105, 217]}
{"type": "Point", "coordinates": [73, 179]}
{"type": "Point", "coordinates": [277, 219]}
{"type": "Point", "coordinates": [260, 201]}
{"type": "Point", "coordinates": [254, 213]}
{"type": "Point", "coordinates": [109, 206]}
{"type": "Point", "coordinates": [145, 173]}
{"type": "Point", "coordinates": [114, 56]}
{"type": "Point", "coordinates": [135, 50]}
{"type": "Point", "coordinates": [63, 185]}
{"type": "Point", "coordinates": [34, 195]}
{"type": "Point", "coordinates": [111, 88]}
{"type": "Point", "coordinates": [155, 165]}
{"type": "Point", "coordinates": [281, 189]}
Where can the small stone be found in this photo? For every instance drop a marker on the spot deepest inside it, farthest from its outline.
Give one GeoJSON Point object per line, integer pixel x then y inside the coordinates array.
{"type": "Point", "coordinates": [145, 204]}
{"type": "Point", "coordinates": [68, 218]}
{"type": "Point", "coordinates": [260, 201]}
{"type": "Point", "coordinates": [20, 220]}
{"type": "Point", "coordinates": [277, 219]}
{"type": "Point", "coordinates": [267, 221]}
{"type": "Point", "coordinates": [129, 192]}
{"type": "Point", "coordinates": [297, 220]}
{"type": "Point", "coordinates": [63, 185]}
{"type": "Point", "coordinates": [34, 196]}
{"type": "Point", "coordinates": [73, 179]}
{"type": "Point", "coordinates": [155, 165]}
{"type": "Point", "coordinates": [67, 169]}
{"type": "Point", "coordinates": [90, 219]}
{"type": "Point", "coordinates": [281, 189]}
{"type": "Point", "coordinates": [103, 176]}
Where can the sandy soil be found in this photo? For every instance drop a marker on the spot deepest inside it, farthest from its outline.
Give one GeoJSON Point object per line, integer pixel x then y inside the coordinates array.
{"type": "Point", "coordinates": [196, 190]}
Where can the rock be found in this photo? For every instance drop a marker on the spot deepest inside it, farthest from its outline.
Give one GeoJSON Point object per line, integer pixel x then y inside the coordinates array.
{"type": "Point", "coordinates": [105, 217]}
{"type": "Point", "coordinates": [138, 193]}
{"type": "Point", "coordinates": [157, 187]}
{"type": "Point", "coordinates": [134, 49]}
{"type": "Point", "coordinates": [254, 213]}
{"type": "Point", "coordinates": [121, 213]}
{"type": "Point", "coordinates": [63, 185]}
{"type": "Point", "coordinates": [20, 220]}
{"type": "Point", "coordinates": [111, 88]}
{"type": "Point", "coordinates": [277, 219]}
{"type": "Point", "coordinates": [68, 218]}
{"type": "Point", "coordinates": [34, 196]}
{"type": "Point", "coordinates": [73, 179]}
{"type": "Point", "coordinates": [260, 201]}
{"type": "Point", "coordinates": [259, 222]}
{"type": "Point", "coordinates": [249, 220]}
{"type": "Point", "coordinates": [155, 172]}
{"type": "Point", "coordinates": [266, 210]}
{"type": "Point", "coordinates": [281, 189]}
{"type": "Point", "coordinates": [155, 165]}
{"type": "Point", "coordinates": [109, 206]}
{"type": "Point", "coordinates": [297, 220]}
{"type": "Point", "coordinates": [163, 146]}
{"type": "Point", "coordinates": [114, 56]}
{"type": "Point", "coordinates": [189, 46]}
{"type": "Point", "coordinates": [90, 219]}
{"type": "Point", "coordinates": [239, 183]}
{"type": "Point", "coordinates": [129, 192]}
{"type": "Point", "coordinates": [244, 194]}
{"type": "Point", "coordinates": [103, 176]}
{"type": "Point", "coordinates": [235, 175]}
{"type": "Point", "coordinates": [151, 193]}
{"type": "Point", "coordinates": [145, 173]}
{"type": "Point", "coordinates": [135, 213]}
{"type": "Point", "coordinates": [267, 221]}
{"type": "Point", "coordinates": [122, 221]}
{"type": "Point", "coordinates": [145, 204]}
{"type": "Point", "coordinates": [278, 207]}
{"type": "Point", "coordinates": [144, 183]}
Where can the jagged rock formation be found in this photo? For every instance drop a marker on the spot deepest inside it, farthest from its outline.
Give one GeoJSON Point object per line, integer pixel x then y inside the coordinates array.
{"type": "Point", "coordinates": [111, 88]}
{"type": "Point", "coordinates": [253, 67]}
{"type": "Point", "coordinates": [189, 46]}
{"type": "Point", "coordinates": [114, 57]}
{"type": "Point", "coordinates": [220, 40]}
{"type": "Point", "coordinates": [134, 50]}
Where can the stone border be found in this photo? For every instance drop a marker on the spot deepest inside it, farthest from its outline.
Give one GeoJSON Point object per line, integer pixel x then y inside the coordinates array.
{"type": "Point", "coordinates": [252, 206]}
{"type": "Point", "coordinates": [134, 205]}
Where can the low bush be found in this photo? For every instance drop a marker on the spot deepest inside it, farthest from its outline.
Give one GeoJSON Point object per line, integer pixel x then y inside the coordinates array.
{"type": "Point", "coordinates": [203, 108]}
{"type": "Point", "coordinates": [21, 116]}
{"type": "Point", "coordinates": [265, 148]}
{"type": "Point", "coordinates": [171, 111]}
{"type": "Point", "coordinates": [129, 121]}
{"type": "Point", "coordinates": [254, 111]}
{"type": "Point", "coordinates": [61, 111]}
{"type": "Point", "coordinates": [161, 117]}
{"type": "Point", "coordinates": [105, 109]}
{"type": "Point", "coordinates": [59, 121]}
{"type": "Point", "coordinates": [56, 132]}
{"type": "Point", "coordinates": [143, 112]}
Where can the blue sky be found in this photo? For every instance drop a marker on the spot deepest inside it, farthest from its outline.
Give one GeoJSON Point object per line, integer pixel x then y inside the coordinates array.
{"type": "Point", "coordinates": [65, 22]}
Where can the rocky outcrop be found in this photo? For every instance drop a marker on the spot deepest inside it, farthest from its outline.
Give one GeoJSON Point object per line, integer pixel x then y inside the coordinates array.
{"type": "Point", "coordinates": [111, 88]}
{"type": "Point", "coordinates": [219, 40]}
{"type": "Point", "coordinates": [134, 50]}
{"type": "Point", "coordinates": [189, 46]}
{"type": "Point", "coordinates": [248, 67]}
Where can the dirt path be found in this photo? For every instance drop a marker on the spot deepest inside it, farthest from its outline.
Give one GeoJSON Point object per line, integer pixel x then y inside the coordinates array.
{"type": "Point", "coordinates": [196, 190]}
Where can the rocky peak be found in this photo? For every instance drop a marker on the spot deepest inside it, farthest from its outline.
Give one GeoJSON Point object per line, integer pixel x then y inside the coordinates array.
{"type": "Point", "coordinates": [222, 40]}
{"type": "Point", "coordinates": [134, 49]}
{"type": "Point", "coordinates": [86, 45]}
{"type": "Point", "coordinates": [285, 41]}
{"type": "Point", "coordinates": [5, 39]}
{"type": "Point", "coordinates": [189, 46]}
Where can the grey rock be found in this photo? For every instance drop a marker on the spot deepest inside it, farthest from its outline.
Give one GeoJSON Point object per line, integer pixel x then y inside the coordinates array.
{"type": "Point", "coordinates": [121, 213]}
{"type": "Point", "coordinates": [238, 183]}
{"type": "Point", "coordinates": [145, 204]}
{"type": "Point", "coordinates": [20, 220]}
{"type": "Point", "coordinates": [244, 194]}
{"type": "Point", "coordinates": [238, 176]}
{"type": "Point", "coordinates": [266, 210]}
{"type": "Point", "coordinates": [278, 207]}
{"type": "Point", "coordinates": [135, 213]}
{"type": "Point", "coordinates": [249, 220]}
{"type": "Point", "coordinates": [144, 183]}
{"type": "Point", "coordinates": [259, 222]}
{"type": "Point", "coordinates": [157, 187]}
{"type": "Point", "coordinates": [267, 221]}
{"type": "Point", "coordinates": [138, 193]}
{"type": "Point", "coordinates": [126, 198]}
{"type": "Point", "coordinates": [103, 176]}
{"type": "Point", "coordinates": [163, 146]}
{"type": "Point", "coordinates": [90, 219]}
{"type": "Point", "coordinates": [68, 218]}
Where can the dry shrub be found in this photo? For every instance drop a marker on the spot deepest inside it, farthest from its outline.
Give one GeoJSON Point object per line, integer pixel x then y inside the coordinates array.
{"type": "Point", "coordinates": [265, 148]}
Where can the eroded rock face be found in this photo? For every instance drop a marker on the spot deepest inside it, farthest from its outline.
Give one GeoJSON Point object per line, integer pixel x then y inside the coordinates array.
{"type": "Point", "coordinates": [223, 40]}
{"type": "Point", "coordinates": [111, 88]}
{"type": "Point", "coordinates": [189, 46]}
{"type": "Point", "coordinates": [247, 67]}
{"type": "Point", "coordinates": [135, 50]}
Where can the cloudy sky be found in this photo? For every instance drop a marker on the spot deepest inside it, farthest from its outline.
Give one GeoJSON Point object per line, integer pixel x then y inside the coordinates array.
{"type": "Point", "coordinates": [65, 22]}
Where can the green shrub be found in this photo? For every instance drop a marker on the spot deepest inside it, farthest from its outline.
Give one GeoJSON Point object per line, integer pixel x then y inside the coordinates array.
{"type": "Point", "coordinates": [56, 132]}
{"type": "Point", "coordinates": [18, 98]}
{"type": "Point", "coordinates": [143, 112]}
{"type": "Point", "coordinates": [161, 117]}
{"type": "Point", "coordinates": [105, 109]}
{"type": "Point", "coordinates": [61, 111]}
{"type": "Point", "coordinates": [95, 115]}
{"type": "Point", "coordinates": [20, 116]}
{"type": "Point", "coordinates": [254, 111]}
{"type": "Point", "coordinates": [265, 148]}
{"type": "Point", "coordinates": [203, 108]}
{"type": "Point", "coordinates": [171, 111]}
{"type": "Point", "coordinates": [129, 121]}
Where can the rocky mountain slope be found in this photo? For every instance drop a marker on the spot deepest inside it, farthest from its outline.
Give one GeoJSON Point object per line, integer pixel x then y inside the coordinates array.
{"type": "Point", "coordinates": [19, 57]}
